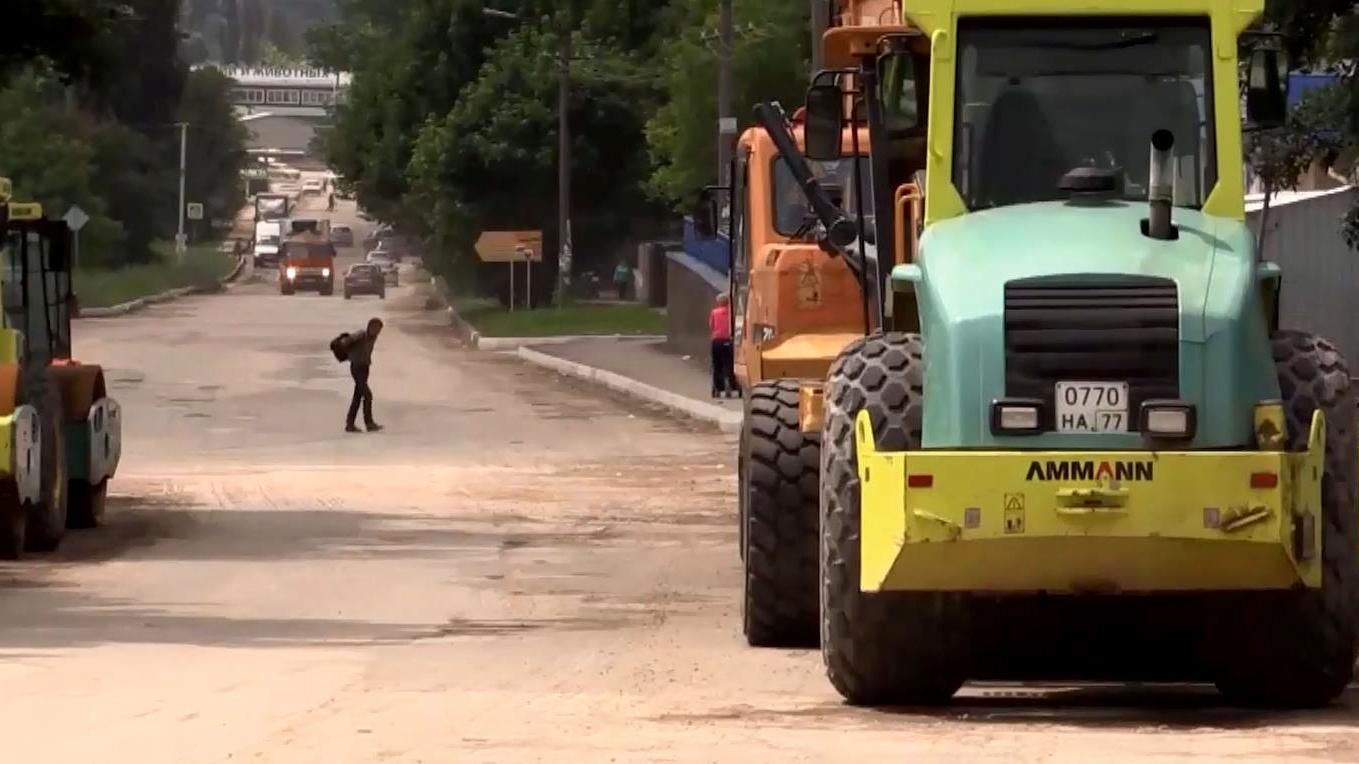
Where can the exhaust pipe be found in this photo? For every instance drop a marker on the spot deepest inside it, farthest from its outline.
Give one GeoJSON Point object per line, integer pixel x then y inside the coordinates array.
{"type": "Point", "coordinates": [1161, 186]}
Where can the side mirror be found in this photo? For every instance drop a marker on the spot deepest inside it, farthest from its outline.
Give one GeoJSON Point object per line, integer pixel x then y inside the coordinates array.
{"type": "Point", "coordinates": [824, 122]}
{"type": "Point", "coordinates": [898, 90]}
{"type": "Point", "coordinates": [1266, 86]}
{"type": "Point", "coordinates": [705, 217]}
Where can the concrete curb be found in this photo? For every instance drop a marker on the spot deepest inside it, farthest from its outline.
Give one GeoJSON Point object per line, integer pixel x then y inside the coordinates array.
{"type": "Point", "coordinates": [469, 336]}
{"type": "Point", "coordinates": [464, 331]}
{"type": "Point", "coordinates": [726, 420]}
{"type": "Point", "coordinates": [514, 343]}
{"type": "Point", "coordinates": [122, 309]}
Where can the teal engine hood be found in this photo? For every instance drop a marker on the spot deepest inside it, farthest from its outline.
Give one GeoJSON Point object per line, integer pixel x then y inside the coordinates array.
{"type": "Point", "coordinates": [1225, 366]}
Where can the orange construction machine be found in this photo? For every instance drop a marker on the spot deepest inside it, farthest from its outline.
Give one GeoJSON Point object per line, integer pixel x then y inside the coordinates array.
{"type": "Point", "coordinates": [796, 304]}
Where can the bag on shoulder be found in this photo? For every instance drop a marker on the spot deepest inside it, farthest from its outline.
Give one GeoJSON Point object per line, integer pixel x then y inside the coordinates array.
{"type": "Point", "coordinates": [340, 347]}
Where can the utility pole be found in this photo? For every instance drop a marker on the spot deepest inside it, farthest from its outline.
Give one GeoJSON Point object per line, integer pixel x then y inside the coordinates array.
{"type": "Point", "coordinates": [183, 158]}
{"type": "Point", "coordinates": [564, 160]}
{"type": "Point", "coordinates": [820, 21]}
{"type": "Point", "coordinates": [726, 119]}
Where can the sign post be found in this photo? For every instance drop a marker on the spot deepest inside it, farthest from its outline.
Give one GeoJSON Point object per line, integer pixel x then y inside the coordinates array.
{"type": "Point", "coordinates": [76, 219]}
{"type": "Point", "coordinates": [510, 247]}
{"type": "Point", "coordinates": [525, 252]}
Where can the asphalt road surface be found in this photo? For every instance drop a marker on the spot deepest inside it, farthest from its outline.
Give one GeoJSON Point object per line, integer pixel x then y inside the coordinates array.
{"type": "Point", "coordinates": [517, 569]}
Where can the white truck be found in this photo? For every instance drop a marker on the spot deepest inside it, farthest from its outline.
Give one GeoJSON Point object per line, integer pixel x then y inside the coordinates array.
{"type": "Point", "coordinates": [268, 234]}
{"type": "Point", "coordinates": [295, 225]}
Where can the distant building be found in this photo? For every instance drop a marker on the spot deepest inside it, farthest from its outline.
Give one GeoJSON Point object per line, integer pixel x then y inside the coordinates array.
{"type": "Point", "coordinates": [284, 108]}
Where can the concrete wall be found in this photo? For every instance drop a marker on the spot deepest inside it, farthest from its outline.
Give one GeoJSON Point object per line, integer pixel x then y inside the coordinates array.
{"type": "Point", "coordinates": [1320, 273]}
{"type": "Point", "coordinates": [691, 286]}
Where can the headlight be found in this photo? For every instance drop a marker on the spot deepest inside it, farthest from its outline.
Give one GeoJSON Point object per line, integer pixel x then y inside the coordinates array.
{"type": "Point", "coordinates": [1016, 416]}
{"type": "Point", "coordinates": [1167, 419]}
{"type": "Point", "coordinates": [325, 273]}
{"type": "Point", "coordinates": [291, 273]}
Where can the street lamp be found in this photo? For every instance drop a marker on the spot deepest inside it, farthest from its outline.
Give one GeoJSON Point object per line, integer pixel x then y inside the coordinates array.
{"type": "Point", "coordinates": [563, 151]}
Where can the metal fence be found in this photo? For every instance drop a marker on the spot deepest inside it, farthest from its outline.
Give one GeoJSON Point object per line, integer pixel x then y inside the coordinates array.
{"type": "Point", "coordinates": [1320, 291]}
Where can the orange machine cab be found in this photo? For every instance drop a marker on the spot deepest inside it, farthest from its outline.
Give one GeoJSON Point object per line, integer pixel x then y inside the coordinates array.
{"type": "Point", "coordinates": [795, 306]}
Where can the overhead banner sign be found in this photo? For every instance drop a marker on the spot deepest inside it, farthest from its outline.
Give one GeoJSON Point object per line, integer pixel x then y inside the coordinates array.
{"type": "Point", "coordinates": [510, 246]}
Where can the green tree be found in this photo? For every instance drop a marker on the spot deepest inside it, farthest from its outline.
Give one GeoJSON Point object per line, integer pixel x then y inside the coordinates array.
{"type": "Point", "coordinates": [770, 62]}
{"type": "Point", "coordinates": [272, 55]}
{"type": "Point", "coordinates": [216, 147]}
{"type": "Point", "coordinates": [42, 152]}
{"type": "Point", "coordinates": [77, 38]}
{"type": "Point", "coordinates": [1326, 121]}
{"type": "Point", "coordinates": [492, 160]}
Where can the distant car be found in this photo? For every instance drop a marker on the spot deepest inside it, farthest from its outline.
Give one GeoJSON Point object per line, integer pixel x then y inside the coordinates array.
{"type": "Point", "coordinates": [342, 236]}
{"type": "Point", "coordinates": [384, 261]}
{"type": "Point", "coordinates": [365, 278]}
{"type": "Point", "coordinates": [312, 186]}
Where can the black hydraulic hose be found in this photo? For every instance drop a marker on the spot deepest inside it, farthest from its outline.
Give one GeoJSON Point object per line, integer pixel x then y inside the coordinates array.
{"type": "Point", "coordinates": [868, 284]}
{"type": "Point", "coordinates": [840, 231]}
{"type": "Point", "coordinates": [23, 286]}
{"type": "Point", "coordinates": [46, 304]}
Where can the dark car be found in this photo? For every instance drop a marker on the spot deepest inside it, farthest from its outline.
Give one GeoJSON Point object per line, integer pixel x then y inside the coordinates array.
{"type": "Point", "coordinates": [363, 278]}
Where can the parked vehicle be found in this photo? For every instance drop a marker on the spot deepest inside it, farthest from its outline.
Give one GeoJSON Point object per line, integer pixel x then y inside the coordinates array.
{"type": "Point", "coordinates": [61, 432]}
{"type": "Point", "coordinates": [383, 260]}
{"type": "Point", "coordinates": [365, 278]}
{"type": "Point", "coordinates": [342, 236]}
{"type": "Point", "coordinates": [311, 186]}
{"type": "Point", "coordinates": [378, 236]}
{"type": "Point", "coordinates": [267, 236]}
{"type": "Point", "coordinates": [272, 206]}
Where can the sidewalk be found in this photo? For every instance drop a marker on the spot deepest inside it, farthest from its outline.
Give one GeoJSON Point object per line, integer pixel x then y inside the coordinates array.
{"type": "Point", "coordinates": [645, 370]}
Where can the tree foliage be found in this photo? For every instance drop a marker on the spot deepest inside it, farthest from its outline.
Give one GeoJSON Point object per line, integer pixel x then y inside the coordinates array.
{"type": "Point", "coordinates": [88, 109]}
{"type": "Point", "coordinates": [1325, 123]}
{"type": "Point", "coordinates": [770, 62]}
{"type": "Point", "coordinates": [451, 124]}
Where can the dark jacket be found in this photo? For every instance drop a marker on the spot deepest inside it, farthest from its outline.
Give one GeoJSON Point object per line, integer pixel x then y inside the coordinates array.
{"type": "Point", "coordinates": [360, 348]}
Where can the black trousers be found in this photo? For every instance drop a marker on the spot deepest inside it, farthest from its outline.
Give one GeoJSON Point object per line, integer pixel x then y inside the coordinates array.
{"type": "Point", "coordinates": [363, 394]}
{"type": "Point", "coordinates": [723, 364]}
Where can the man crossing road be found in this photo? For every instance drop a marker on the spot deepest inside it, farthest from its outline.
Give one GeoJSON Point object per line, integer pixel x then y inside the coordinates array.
{"type": "Point", "coordinates": [360, 352]}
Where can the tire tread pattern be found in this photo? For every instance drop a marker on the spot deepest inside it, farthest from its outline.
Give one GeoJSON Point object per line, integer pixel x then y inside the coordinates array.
{"type": "Point", "coordinates": [1297, 648]}
{"type": "Point", "coordinates": [782, 515]}
{"type": "Point", "coordinates": [892, 647]}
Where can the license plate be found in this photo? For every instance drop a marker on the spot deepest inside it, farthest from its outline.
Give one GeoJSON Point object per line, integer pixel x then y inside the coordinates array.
{"type": "Point", "coordinates": [1092, 407]}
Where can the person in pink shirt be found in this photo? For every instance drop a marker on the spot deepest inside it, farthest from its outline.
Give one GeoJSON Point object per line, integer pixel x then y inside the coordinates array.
{"type": "Point", "coordinates": [723, 360]}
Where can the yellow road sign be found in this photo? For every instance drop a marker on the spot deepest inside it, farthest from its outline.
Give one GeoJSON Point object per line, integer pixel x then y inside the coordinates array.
{"type": "Point", "coordinates": [510, 246]}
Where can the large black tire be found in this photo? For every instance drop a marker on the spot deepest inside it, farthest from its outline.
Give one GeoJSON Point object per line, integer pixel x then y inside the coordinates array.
{"type": "Point", "coordinates": [47, 519]}
{"type": "Point", "coordinates": [781, 537]}
{"type": "Point", "coordinates": [892, 647]}
{"type": "Point", "coordinates": [13, 522]}
{"type": "Point", "coordinates": [85, 503]}
{"type": "Point", "coordinates": [1296, 649]}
